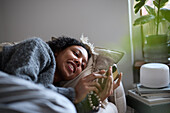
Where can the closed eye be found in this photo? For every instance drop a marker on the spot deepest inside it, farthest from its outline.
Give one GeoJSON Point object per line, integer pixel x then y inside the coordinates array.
{"type": "Point", "coordinates": [76, 53]}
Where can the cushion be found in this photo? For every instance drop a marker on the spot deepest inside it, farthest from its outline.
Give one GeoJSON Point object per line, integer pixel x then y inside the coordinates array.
{"type": "Point", "coordinates": [110, 108]}
{"type": "Point", "coordinates": [119, 99]}
{"type": "Point", "coordinates": [6, 43]}
{"type": "Point", "coordinates": [102, 57]}
{"type": "Point", "coordinates": [106, 58]}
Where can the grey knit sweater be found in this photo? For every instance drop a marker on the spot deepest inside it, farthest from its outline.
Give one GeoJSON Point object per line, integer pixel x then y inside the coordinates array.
{"type": "Point", "coordinates": [33, 60]}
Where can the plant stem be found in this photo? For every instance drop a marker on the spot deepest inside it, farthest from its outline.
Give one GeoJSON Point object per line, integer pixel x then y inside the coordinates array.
{"type": "Point", "coordinates": [142, 35]}
{"type": "Point", "coordinates": [158, 18]}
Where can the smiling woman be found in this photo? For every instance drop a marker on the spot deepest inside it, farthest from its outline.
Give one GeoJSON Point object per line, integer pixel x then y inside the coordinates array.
{"type": "Point", "coordinates": [71, 58]}
{"type": "Point", "coordinates": [51, 63]}
{"type": "Point", "coordinates": [70, 62]}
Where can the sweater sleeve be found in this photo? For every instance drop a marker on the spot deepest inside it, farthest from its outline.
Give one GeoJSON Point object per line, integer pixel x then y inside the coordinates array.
{"type": "Point", "coordinates": [68, 92]}
{"type": "Point", "coordinates": [82, 107]}
{"type": "Point", "coordinates": [32, 60]}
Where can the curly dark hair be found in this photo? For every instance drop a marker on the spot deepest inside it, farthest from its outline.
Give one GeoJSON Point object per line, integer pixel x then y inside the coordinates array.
{"type": "Point", "coordinates": [61, 43]}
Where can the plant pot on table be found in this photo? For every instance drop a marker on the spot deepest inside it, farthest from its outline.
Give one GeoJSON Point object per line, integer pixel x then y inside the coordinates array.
{"type": "Point", "coordinates": [156, 48]}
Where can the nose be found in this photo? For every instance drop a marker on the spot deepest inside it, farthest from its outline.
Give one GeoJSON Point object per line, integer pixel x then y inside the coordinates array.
{"type": "Point", "coordinates": [78, 62]}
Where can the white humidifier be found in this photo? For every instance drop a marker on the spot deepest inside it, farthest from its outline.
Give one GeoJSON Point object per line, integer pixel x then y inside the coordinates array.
{"type": "Point", "coordinates": [154, 75]}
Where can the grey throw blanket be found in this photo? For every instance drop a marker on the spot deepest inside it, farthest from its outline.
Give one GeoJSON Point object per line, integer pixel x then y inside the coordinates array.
{"type": "Point", "coordinates": [21, 96]}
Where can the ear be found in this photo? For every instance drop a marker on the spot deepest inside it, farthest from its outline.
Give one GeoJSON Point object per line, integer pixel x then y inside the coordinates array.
{"type": "Point", "coordinates": [56, 54]}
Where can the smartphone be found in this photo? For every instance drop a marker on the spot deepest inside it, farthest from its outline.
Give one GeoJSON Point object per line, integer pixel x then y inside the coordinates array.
{"type": "Point", "coordinates": [115, 75]}
{"type": "Point", "coordinates": [114, 71]}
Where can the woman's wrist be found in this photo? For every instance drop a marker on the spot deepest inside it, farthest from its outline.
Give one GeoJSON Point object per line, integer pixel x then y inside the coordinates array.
{"type": "Point", "coordinates": [102, 98]}
{"type": "Point", "coordinates": [76, 100]}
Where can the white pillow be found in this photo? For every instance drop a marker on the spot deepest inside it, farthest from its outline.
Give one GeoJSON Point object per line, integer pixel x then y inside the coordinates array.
{"type": "Point", "coordinates": [106, 58]}
{"type": "Point", "coordinates": [6, 44]}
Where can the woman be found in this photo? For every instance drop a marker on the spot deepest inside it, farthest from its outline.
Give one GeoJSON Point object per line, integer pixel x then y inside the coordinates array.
{"type": "Point", "coordinates": [52, 62]}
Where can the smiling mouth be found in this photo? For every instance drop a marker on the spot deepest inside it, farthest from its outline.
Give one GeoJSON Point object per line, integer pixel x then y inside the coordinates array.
{"type": "Point", "coordinates": [72, 66]}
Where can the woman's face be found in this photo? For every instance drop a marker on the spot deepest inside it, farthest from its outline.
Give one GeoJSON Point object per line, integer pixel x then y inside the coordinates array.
{"type": "Point", "coordinates": [70, 62]}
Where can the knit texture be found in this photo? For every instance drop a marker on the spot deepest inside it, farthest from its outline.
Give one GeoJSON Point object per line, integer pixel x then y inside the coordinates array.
{"type": "Point", "coordinates": [32, 60]}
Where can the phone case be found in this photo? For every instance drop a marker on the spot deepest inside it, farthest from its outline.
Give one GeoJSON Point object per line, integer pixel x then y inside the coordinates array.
{"type": "Point", "coordinates": [115, 71]}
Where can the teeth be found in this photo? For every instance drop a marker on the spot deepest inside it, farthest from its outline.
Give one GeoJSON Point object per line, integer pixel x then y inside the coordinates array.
{"type": "Point", "coordinates": [71, 66]}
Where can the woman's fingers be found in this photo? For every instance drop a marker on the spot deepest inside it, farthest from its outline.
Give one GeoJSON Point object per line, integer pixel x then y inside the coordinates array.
{"type": "Point", "coordinates": [101, 72]}
{"type": "Point", "coordinates": [107, 91]}
{"type": "Point", "coordinates": [120, 77]}
{"type": "Point", "coordinates": [109, 71]}
{"type": "Point", "coordinates": [94, 76]}
{"type": "Point", "coordinates": [87, 84]}
{"type": "Point", "coordinates": [96, 84]}
{"type": "Point", "coordinates": [110, 85]}
{"type": "Point", "coordinates": [118, 81]}
{"type": "Point", "coordinates": [83, 88]}
{"type": "Point", "coordinates": [93, 89]}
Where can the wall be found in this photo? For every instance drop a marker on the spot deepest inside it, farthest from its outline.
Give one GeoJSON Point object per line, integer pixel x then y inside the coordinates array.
{"type": "Point", "coordinates": [105, 22]}
{"type": "Point", "coordinates": [136, 34]}
{"type": "Point", "coordinates": [1, 23]}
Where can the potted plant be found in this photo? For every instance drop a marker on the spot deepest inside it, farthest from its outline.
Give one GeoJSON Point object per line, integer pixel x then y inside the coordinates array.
{"type": "Point", "coordinates": [158, 19]}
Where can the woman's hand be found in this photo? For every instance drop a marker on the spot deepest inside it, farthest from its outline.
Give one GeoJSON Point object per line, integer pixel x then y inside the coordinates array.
{"type": "Point", "coordinates": [87, 84]}
{"type": "Point", "coordinates": [117, 84]}
{"type": "Point", "coordinates": [109, 85]}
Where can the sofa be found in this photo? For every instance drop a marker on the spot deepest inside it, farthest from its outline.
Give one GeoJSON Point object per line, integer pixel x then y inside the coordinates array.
{"type": "Point", "coordinates": [20, 95]}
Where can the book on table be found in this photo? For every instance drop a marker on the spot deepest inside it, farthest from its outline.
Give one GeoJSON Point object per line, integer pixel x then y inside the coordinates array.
{"type": "Point", "coordinates": [153, 92]}
{"type": "Point", "coordinates": [149, 101]}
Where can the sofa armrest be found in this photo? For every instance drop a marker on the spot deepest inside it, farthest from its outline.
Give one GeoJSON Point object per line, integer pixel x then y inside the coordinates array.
{"type": "Point", "coordinates": [119, 99]}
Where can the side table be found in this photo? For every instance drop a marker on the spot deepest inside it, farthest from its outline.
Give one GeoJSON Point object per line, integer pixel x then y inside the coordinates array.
{"type": "Point", "coordinates": [142, 106]}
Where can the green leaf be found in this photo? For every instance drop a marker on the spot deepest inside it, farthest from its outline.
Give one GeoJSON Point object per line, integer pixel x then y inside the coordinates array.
{"type": "Point", "coordinates": [163, 2]}
{"type": "Point", "coordinates": [150, 10]}
{"type": "Point", "coordinates": [156, 3]}
{"type": "Point", "coordinates": [138, 5]}
{"type": "Point", "coordinates": [160, 3]}
{"type": "Point", "coordinates": [165, 13]}
{"type": "Point", "coordinates": [144, 19]}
